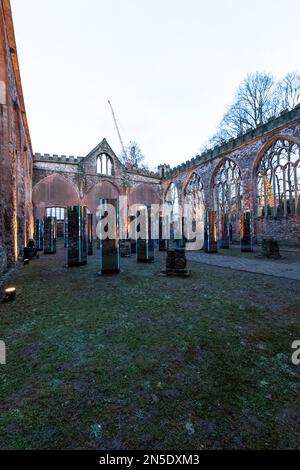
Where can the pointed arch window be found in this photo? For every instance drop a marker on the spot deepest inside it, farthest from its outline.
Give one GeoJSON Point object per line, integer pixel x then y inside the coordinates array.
{"type": "Point", "coordinates": [173, 211]}
{"type": "Point", "coordinates": [194, 207]}
{"type": "Point", "coordinates": [278, 180]}
{"type": "Point", "coordinates": [172, 199]}
{"type": "Point", "coordinates": [228, 190]}
{"type": "Point", "coordinates": [104, 165]}
{"type": "Point", "coordinates": [194, 190]}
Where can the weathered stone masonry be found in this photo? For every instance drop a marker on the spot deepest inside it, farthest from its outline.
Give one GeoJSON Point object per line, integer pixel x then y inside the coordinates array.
{"type": "Point", "coordinates": [59, 181]}
{"type": "Point", "coordinates": [16, 162]}
{"type": "Point", "coordinates": [246, 151]}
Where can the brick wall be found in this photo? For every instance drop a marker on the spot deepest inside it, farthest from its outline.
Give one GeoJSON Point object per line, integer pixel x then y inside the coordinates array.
{"type": "Point", "coordinates": [246, 152]}
{"type": "Point", "coordinates": [63, 180]}
{"type": "Point", "coordinates": [16, 162]}
{"type": "Point", "coordinates": [79, 176]}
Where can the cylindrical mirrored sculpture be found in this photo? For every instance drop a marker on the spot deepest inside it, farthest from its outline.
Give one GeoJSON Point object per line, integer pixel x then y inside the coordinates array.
{"type": "Point", "coordinates": [247, 231]}
{"type": "Point", "coordinates": [49, 235]}
{"type": "Point", "coordinates": [39, 234]}
{"type": "Point", "coordinates": [224, 229]}
{"type": "Point", "coordinates": [163, 236]}
{"type": "Point", "coordinates": [108, 233]}
{"type": "Point", "coordinates": [144, 243]}
{"type": "Point", "coordinates": [90, 234]}
{"type": "Point", "coordinates": [210, 239]}
{"type": "Point", "coordinates": [76, 236]}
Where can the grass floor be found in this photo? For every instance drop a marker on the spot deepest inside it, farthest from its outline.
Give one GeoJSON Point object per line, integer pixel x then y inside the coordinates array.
{"type": "Point", "coordinates": [139, 361]}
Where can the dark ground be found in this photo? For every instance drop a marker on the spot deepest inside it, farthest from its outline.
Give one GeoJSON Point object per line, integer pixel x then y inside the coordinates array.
{"type": "Point", "coordinates": [139, 361]}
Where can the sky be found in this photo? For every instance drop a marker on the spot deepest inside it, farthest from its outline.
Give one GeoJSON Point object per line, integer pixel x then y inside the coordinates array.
{"type": "Point", "coordinates": [169, 67]}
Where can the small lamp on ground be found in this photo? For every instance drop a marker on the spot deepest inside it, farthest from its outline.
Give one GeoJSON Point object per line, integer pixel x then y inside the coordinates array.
{"type": "Point", "coordinates": [9, 294]}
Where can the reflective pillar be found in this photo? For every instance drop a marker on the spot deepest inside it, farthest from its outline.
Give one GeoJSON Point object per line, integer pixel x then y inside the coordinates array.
{"type": "Point", "coordinates": [76, 236]}
{"type": "Point", "coordinates": [247, 231]}
{"type": "Point", "coordinates": [109, 245]}
{"type": "Point", "coordinates": [49, 235]}
{"type": "Point", "coordinates": [210, 239]}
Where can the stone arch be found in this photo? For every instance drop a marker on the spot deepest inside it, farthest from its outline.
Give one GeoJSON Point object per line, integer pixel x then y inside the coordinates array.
{"type": "Point", "coordinates": [276, 177]}
{"type": "Point", "coordinates": [266, 147]}
{"type": "Point", "coordinates": [171, 198]}
{"type": "Point", "coordinates": [145, 194]}
{"type": "Point", "coordinates": [192, 174]}
{"type": "Point", "coordinates": [194, 209]}
{"type": "Point", "coordinates": [192, 186]}
{"type": "Point", "coordinates": [54, 191]}
{"type": "Point", "coordinates": [187, 179]}
{"type": "Point", "coordinates": [104, 164]}
{"type": "Point", "coordinates": [104, 189]}
{"type": "Point", "coordinates": [227, 196]}
{"type": "Point", "coordinates": [217, 168]}
{"type": "Point", "coordinates": [168, 186]}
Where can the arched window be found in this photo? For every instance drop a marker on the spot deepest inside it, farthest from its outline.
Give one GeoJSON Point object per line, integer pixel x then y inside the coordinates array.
{"type": "Point", "coordinates": [104, 165]}
{"type": "Point", "coordinates": [228, 190]}
{"type": "Point", "coordinates": [173, 212]}
{"type": "Point", "coordinates": [194, 190]}
{"type": "Point", "coordinates": [99, 165]}
{"type": "Point", "coordinates": [278, 180]}
{"type": "Point", "coordinates": [172, 199]}
{"type": "Point", "coordinates": [194, 208]}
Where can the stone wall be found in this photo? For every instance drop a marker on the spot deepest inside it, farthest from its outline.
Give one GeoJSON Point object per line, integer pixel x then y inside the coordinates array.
{"type": "Point", "coordinates": [16, 162]}
{"type": "Point", "coordinates": [59, 181]}
{"type": "Point", "coordinates": [145, 188]}
{"type": "Point", "coordinates": [285, 229]}
{"type": "Point", "coordinates": [246, 151]}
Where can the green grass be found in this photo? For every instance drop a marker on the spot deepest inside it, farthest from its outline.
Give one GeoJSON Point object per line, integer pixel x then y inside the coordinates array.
{"type": "Point", "coordinates": [147, 362]}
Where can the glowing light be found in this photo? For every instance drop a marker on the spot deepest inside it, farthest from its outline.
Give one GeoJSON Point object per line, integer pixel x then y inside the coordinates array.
{"type": "Point", "coordinates": [31, 226]}
{"type": "Point", "coordinates": [9, 290]}
{"type": "Point", "coordinates": [10, 294]}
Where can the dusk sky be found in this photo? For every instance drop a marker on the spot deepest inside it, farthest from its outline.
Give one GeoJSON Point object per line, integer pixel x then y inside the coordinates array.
{"type": "Point", "coordinates": [169, 67]}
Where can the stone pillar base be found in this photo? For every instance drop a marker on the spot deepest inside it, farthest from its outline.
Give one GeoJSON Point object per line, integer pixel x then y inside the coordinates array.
{"type": "Point", "coordinates": [176, 263]}
{"type": "Point", "coordinates": [270, 248]}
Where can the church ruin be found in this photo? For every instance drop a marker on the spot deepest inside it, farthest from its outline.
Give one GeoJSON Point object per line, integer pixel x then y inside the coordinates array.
{"type": "Point", "coordinates": [257, 172]}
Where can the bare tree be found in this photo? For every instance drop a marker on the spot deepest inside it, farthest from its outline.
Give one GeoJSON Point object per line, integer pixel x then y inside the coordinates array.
{"type": "Point", "coordinates": [134, 157]}
{"type": "Point", "coordinates": [220, 137]}
{"type": "Point", "coordinates": [254, 104]}
{"type": "Point", "coordinates": [256, 100]}
{"type": "Point", "coordinates": [288, 91]}
{"type": "Point", "coordinates": [232, 124]}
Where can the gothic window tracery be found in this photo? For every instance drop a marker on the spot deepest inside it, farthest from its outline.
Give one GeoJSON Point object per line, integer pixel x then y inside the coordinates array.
{"type": "Point", "coordinates": [194, 190]}
{"type": "Point", "coordinates": [172, 199]}
{"type": "Point", "coordinates": [278, 180]}
{"type": "Point", "coordinates": [228, 190]}
{"type": "Point", "coordinates": [104, 165]}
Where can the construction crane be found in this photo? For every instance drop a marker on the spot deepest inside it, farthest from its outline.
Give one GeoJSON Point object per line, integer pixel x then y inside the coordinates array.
{"type": "Point", "coordinates": [116, 124]}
